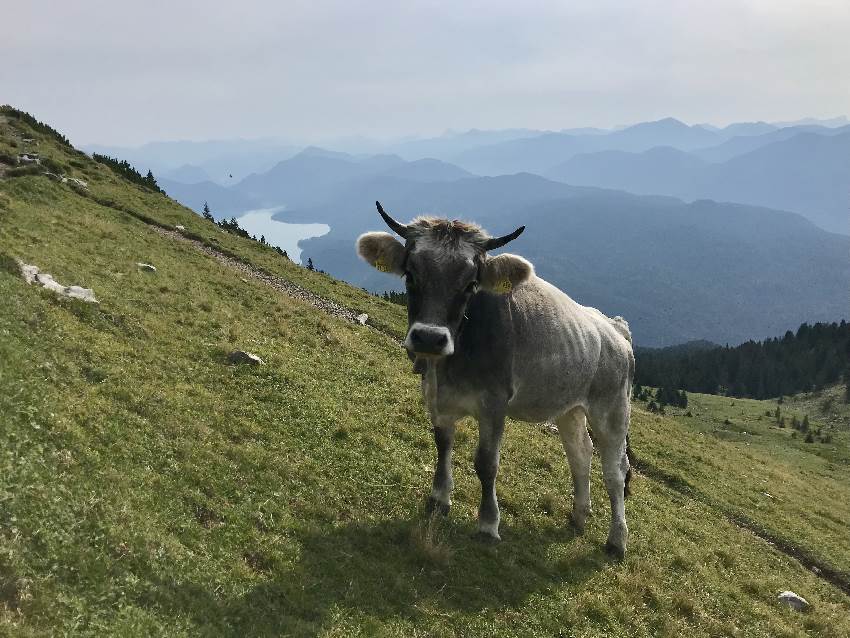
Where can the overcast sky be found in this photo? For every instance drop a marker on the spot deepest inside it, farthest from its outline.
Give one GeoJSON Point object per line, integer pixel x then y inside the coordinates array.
{"type": "Point", "coordinates": [116, 72]}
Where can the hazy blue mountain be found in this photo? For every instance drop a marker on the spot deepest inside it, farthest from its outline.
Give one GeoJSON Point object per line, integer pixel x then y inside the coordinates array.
{"type": "Point", "coordinates": [452, 143]}
{"type": "Point", "coordinates": [808, 173]}
{"type": "Point", "coordinates": [428, 170]}
{"type": "Point", "coordinates": [314, 175]}
{"type": "Point", "coordinates": [187, 174]}
{"type": "Point", "coordinates": [677, 271]}
{"type": "Point", "coordinates": [666, 132]}
{"type": "Point", "coordinates": [539, 154]}
{"type": "Point", "coordinates": [586, 130]}
{"type": "Point", "coordinates": [741, 144]}
{"type": "Point", "coordinates": [533, 154]}
{"type": "Point", "coordinates": [748, 128]}
{"type": "Point", "coordinates": [662, 170]}
{"type": "Point", "coordinates": [841, 120]}
{"type": "Point", "coordinates": [224, 202]}
{"type": "Point", "coordinates": [307, 177]}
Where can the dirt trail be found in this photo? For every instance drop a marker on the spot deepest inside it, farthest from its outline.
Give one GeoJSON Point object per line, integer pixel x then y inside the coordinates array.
{"type": "Point", "coordinates": [278, 283]}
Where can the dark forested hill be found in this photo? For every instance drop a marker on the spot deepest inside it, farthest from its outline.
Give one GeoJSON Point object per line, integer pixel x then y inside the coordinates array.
{"type": "Point", "coordinates": [810, 359]}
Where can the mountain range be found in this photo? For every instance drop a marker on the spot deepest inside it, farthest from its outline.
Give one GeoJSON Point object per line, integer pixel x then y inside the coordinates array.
{"type": "Point", "coordinates": [808, 173]}
{"type": "Point", "coordinates": [681, 228]}
{"type": "Point", "coordinates": [678, 271]}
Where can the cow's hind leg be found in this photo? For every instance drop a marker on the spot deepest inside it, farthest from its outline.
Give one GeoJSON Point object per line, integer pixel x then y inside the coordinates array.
{"type": "Point", "coordinates": [572, 427]}
{"type": "Point", "coordinates": [444, 433]}
{"type": "Point", "coordinates": [490, 429]}
{"type": "Point", "coordinates": [613, 426]}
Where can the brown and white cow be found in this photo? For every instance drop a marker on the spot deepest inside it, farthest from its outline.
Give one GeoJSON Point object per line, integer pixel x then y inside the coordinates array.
{"type": "Point", "coordinates": [493, 340]}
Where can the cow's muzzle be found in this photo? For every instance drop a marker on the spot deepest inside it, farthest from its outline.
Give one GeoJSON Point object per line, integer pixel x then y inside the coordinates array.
{"type": "Point", "coordinates": [427, 339]}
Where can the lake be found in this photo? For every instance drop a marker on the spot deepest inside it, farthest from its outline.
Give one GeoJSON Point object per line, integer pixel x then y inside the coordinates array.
{"type": "Point", "coordinates": [259, 222]}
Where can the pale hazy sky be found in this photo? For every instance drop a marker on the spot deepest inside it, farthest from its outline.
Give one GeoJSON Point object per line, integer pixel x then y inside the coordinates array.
{"type": "Point", "coordinates": [116, 72]}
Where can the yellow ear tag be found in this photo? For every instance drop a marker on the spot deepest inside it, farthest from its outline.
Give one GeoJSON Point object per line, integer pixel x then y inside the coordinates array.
{"type": "Point", "coordinates": [381, 265]}
{"type": "Point", "coordinates": [504, 286]}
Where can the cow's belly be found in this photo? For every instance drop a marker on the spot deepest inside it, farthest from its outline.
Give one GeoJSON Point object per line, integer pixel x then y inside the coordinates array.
{"type": "Point", "coordinates": [549, 386]}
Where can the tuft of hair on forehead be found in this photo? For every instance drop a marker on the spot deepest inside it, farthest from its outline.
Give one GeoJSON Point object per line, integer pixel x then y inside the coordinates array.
{"type": "Point", "coordinates": [452, 232]}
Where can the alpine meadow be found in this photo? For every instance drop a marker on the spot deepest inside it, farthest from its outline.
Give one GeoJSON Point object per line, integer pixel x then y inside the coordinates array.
{"type": "Point", "coordinates": [151, 487]}
{"type": "Point", "coordinates": [425, 319]}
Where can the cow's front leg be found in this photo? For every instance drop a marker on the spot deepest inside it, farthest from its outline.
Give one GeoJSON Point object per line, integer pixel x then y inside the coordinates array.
{"type": "Point", "coordinates": [441, 492]}
{"type": "Point", "coordinates": [490, 428]}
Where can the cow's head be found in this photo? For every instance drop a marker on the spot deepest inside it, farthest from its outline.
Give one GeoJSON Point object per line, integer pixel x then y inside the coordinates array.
{"type": "Point", "coordinates": [443, 264]}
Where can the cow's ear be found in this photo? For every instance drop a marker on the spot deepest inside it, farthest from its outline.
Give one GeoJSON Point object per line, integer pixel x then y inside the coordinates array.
{"type": "Point", "coordinates": [503, 272]}
{"type": "Point", "coordinates": [383, 251]}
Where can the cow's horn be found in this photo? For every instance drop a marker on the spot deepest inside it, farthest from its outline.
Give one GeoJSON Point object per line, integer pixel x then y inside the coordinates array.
{"type": "Point", "coordinates": [401, 229]}
{"type": "Point", "coordinates": [498, 242]}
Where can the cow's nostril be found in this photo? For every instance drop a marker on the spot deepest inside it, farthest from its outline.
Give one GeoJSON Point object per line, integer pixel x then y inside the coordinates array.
{"type": "Point", "coordinates": [429, 340]}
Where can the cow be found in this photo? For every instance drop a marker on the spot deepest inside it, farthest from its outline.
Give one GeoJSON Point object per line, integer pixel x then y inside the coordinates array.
{"type": "Point", "coordinates": [492, 340]}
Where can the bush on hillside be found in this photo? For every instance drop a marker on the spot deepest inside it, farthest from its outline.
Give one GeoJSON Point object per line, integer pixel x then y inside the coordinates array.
{"type": "Point", "coordinates": [22, 171]}
{"type": "Point", "coordinates": [127, 171]}
{"type": "Point", "coordinates": [41, 127]}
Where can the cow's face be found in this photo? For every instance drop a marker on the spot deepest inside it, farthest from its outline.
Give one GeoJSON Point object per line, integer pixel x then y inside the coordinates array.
{"type": "Point", "coordinates": [443, 264]}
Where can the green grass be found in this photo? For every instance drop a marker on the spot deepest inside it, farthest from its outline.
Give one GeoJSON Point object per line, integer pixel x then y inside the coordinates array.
{"type": "Point", "coordinates": [147, 488]}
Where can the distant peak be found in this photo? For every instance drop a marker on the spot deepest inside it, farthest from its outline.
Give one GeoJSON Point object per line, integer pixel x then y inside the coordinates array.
{"type": "Point", "coordinates": [317, 151]}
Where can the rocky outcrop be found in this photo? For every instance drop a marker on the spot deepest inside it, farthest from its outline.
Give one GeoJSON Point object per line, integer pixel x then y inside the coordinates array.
{"type": "Point", "coordinates": [33, 275]}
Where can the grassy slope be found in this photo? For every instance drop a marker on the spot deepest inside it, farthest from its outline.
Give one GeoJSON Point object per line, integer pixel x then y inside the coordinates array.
{"type": "Point", "coordinates": [147, 488]}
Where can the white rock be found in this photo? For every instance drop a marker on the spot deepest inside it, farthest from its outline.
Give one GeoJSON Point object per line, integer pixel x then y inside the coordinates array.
{"type": "Point", "coordinates": [794, 601]}
{"type": "Point", "coordinates": [78, 292]}
{"type": "Point", "coordinates": [240, 356]}
{"type": "Point", "coordinates": [32, 275]}
{"type": "Point", "coordinates": [147, 267]}
{"type": "Point", "coordinates": [179, 227]}
{"type": "Point", "coordinates": [362, 319]}
{"type": "Point", "coordinates": [75, 180]}
{"type": "Point", "coordinates": [28, 271]}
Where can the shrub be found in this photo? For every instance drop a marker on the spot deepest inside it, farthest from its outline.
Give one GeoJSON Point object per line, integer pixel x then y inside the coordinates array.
{"type": "Point", "coordinates": [52, 165]}
{"type": "Point", "coordinates": [810, 438]}
{"type": "Point", "coordinates": [34, 124]}
{"type": "Point", "coordinates": [127, 171]}
{"type": "Point", "coordinates": [22, 171]}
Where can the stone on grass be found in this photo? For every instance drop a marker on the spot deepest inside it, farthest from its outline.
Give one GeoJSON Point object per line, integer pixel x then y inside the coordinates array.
{"type": "Point", "coordinates": [794, 601]}
{"type": "Point", "coordinates": [238, 357]}
{"type": "Point", "coordinates": [32, 275]}
{"type": "Point", "coordinates": [146, 267]}
{"type": "Point", "coordinates": [179, 227]}
{"type": "Point", "coordinates": [362, 319]}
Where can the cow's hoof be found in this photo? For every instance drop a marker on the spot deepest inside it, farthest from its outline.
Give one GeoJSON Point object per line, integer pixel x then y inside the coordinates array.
{"type": "Point", "coordinates": [577, 527]}
{"type": "Point", "coordinates": [489, 532]}
{"type": "Point", "coordinates": [614, 551]}
{"type": "Point", "coordinates": [434, 507]}
{"type": "Point", "coordinates": [486, 538]}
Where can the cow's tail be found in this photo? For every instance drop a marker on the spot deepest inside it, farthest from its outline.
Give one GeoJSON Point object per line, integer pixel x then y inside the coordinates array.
{"type": "Point", "coordinates": [626, 490]}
